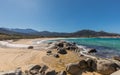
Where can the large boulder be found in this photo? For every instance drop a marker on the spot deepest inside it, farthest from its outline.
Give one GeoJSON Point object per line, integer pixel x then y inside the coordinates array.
{"type": "Point", "coordinates": [18, 71]}
{"type": "Point", "coordinates": [73, 68]}
{"type": "Point", "coordinates": [92, 64]}
{"type": "Point", "coordinates": [106, 67]}
{"type": "Point", "coordinates": [50, 72]}
{"type": "Point", "coordinates": [62, 51]}
{"type": "Point", "coordinates": [83, 64]}
{"type": "Point", "coordinates": [60, 44]}
{"type": "Point", "coordinates": [33, 69]}
{"type": "Point", "coordinates": [8, 73]}
{"type": "Point", "coordinates": [43, 68]}
{"type": "Point", "coordinates": [116, 73]}
{"type": "Point", "coordinates": [116, 58]}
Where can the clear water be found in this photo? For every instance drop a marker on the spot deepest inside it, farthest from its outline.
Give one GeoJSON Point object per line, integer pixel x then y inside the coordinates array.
{"type": "Point", "coordinates": [106, 47]}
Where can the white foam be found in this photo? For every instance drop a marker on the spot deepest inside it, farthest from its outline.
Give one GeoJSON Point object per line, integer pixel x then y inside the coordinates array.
{"type": "Point", "coordinates": [11, 45]}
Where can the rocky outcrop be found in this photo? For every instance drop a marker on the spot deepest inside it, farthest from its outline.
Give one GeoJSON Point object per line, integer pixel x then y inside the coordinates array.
{"type": "Point", "coordinates": [81, 66]}
{"type": "Point", "coordinates": [41, 70]}
{"type": "Point", "coordinates": [64, 44]}
{"type": "Point", "coordinates": [18, 71]}
{"type": "Point", "coordinates": [62, 51]}
{"type": "Point", "coordinates": [116, 58]}
{"type": "Point", "coordinates": [50, 72]}
{"type": "Point", "coordinates": [91, 50]}
{"type": "Point", "coordinates": [92, 64]}
{"type": "Point", "coordinates": [33, 69]}
{"type": "Point", "coordinates": [73, 68]}
{"type": "Point", "coordinates": [116, 73]}
{"type": "Point", "coordinates": [106, 67]}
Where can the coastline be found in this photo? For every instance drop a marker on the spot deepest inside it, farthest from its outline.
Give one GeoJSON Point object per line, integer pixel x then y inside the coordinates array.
{"type": "Point", "coordinates": [13, 58]}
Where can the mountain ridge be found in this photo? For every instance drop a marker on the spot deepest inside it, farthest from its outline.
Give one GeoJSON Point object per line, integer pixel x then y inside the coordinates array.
{"type": "Point", "coordinates": [32, 32]}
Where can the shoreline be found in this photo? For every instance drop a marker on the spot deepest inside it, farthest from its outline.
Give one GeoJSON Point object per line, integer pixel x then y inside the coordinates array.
{"type": "Point", "coordinates": [20, 57]}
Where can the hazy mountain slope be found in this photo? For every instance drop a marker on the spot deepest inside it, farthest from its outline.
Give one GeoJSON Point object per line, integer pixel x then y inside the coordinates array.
{"type": "Point", "coordinates": [31, 32]}
{"type": "Point", "coordinates": [27, 31]}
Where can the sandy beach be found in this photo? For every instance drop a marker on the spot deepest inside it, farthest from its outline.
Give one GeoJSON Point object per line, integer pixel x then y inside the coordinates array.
{"type": "Point", "coordinates": [12, 58]}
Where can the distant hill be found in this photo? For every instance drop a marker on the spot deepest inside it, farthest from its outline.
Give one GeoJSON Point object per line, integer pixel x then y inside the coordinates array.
{"type": "Point", "coordinates": [31, 32]}
{"type": "Point", "coordinates": [91, 33]}
{"type": "Point", "coordinates": [7, 31]}
{"type": "Point", "coordinates": [25, 31]}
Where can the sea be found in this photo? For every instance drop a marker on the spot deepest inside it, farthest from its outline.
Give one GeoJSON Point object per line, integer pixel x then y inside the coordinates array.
{"type": "Point", "coordinates": [106, 47]}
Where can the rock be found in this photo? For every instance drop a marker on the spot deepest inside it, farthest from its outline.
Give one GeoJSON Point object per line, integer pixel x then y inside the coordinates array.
{"type": "Point", "coordinates": [116, 73]}
{"type": "Point", "coordinates": [56, 55]}
{"type": "Point", "coordinates": [43, 68]}
{"type": "Point", "coordinates": [92, 64]}
{"type": "Point", "coordinates": [62, 73]}
{"type": "Point", "coordinates": [50, 72]}
{"type": "Point", "coordinates": [33, 69]}
{"type": "Point", "coordinates": [71, 47]}
{"type": "Point", "coordinates": [92, 50]}
{"type": "Point", "coordinates": [30, 47]}
{"type": "Point", "coordinates": [60, 44]}
{"type": "Point", "coordinates": [33, 72]}
{"type": "Point", "coordinates": [62, 51]}
{"type": "Point", "coordinates": [83, 64]}
{"type": "Point", "coordinates": [73, 68]}
{"type": "Point", "coordinates": [49, 51]}
{"type": "Point", "coordinates": [74, 43]}
{"type": "Point", "coordinates": [34, 66]}
{"type": "Point", "coordinates": [106, 67]}
{"type": "Point", "coordinates": [18, 71]}
{"type": "Point", "coordinates": [116, 58]}
{"type": "Point", "coordinates": [8, 73]}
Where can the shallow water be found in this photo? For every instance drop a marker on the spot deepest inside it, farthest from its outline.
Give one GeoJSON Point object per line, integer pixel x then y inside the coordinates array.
{"type": "Point", "coordinates": [106, 47]}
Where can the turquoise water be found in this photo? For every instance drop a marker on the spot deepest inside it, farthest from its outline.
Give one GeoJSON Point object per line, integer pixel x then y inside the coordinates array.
{"type": "Point", "coordinates": [106, 47]}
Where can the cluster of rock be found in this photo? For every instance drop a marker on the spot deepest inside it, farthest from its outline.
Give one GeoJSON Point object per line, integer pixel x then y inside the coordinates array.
{"type": "Point", "coordinates": [63, 44]}
{"type": "Point", "coordinates": [116, 58]}
{"type": "Point", "coordinates": [18, 71]}
{"type": "Point", "coordinates": [35, 70]}
{"type": "Point", "coordinates": [61, 47]}
{"type": "Point", "coordinates": [104, 67]}
{"type": "Point", "coordinates": [49, 52]}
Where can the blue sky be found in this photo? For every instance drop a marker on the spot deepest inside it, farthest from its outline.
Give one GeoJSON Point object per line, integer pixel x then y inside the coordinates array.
{"type": "Point", "coordinates": [61, 15]}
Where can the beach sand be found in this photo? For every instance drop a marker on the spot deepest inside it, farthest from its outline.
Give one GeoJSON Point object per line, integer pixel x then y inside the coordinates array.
{"type": "Point", "coordinates": [12, 58]}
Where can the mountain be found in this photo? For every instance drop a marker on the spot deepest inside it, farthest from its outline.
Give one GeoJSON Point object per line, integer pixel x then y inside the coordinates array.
{"type": "Point", "coordinates": [7, 31]}
{"type": "Point", "coordinates": [91, 33]}
{"type": "Point", "coordinates": [26, 31]}
{"type": "Point", "coordinates": [31, 32]}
